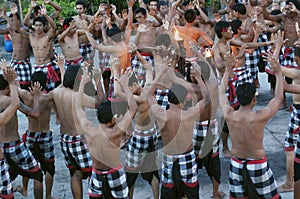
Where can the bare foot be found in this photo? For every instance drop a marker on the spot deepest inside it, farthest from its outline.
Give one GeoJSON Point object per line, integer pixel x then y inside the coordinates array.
{"type": "Point", "coordinates": [285, 188]}
{"type": "Point", "coordinates": [220, 195]}
{"type": "Point", "coordinates": [20, 190]}
{"type": "Point", "coordinates": [227, 153]}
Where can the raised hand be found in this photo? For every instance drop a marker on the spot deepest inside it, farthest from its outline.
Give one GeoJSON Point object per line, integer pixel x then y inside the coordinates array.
{"type": "Point", "coordinates": [124, 77]}
{"type": "Point", "coordinates": [43, 11]}
{"type": "Point", "coordinates": [3, 64]}
{"type": "Point", "coordinates": [274, 62]}
{"type": "Point", "coordinates": [96, 74]}
{"type": "Point", "coordinates": [35, 89]}
{"type": "Point", "coordinates": [278, 38]}
{"type": "Point", "coordinates": [130, 3]}
{"type": "Point", "coordinates": [10, 75]}
{"type": "Point", "coordinates": [46, 1]}
{"type": "Point", "coordinates": [33, 3]}
{"type": "Point", "coordinates": [14, 8]}
{"type": "Point", "coordinates": [86, 76]}
{"type": "Point", "coordinates": [132, 48]}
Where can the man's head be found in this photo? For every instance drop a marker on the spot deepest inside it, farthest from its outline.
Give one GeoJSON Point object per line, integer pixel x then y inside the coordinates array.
{"type": "Point", "coordinates": [39, 24]}
{"type": "Point", "coordinates": [152, 5]}
{"type": "Point", "coordinates": [177, 94]}
{"type": "Point", "coordinates": [67, 23]}
{"type": "Point", "coordinates": [71, 77]}
{"type": "Point", "coordinates": [115, 34]}
{"type": "Point", "coordinates": [80, 7]}
{"type": "Point", "coordinates": [104, 112]}
{"type": "Point", "coordinates": [245, 93]}
{"type": "Point", "coordinates": [288, 6]}
{"type": "Point", "coordinates": [37, 10]}
{"type": "Point", "coordinates": [223, 29]}
{"type": "Point", "coordinates": [189, 15]}
{"type": "Point", "coordinates": [236, 25]}
{"type": "Point", "coordinates": [238, 9]}
{"type": "Point", "coordinates": [140, 14]}
{"type": "Point", "coordinates": [163, 7]}
{"type": "Point", "coordinates": [40, 77]}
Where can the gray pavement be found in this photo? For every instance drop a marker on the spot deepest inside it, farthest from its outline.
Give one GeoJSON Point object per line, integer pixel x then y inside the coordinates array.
{"type": "Point", "coordinates": [273, 142]}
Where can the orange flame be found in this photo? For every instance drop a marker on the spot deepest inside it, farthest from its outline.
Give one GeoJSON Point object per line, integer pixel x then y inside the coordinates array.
{"type": "Point", "coordinates": [176, 35]}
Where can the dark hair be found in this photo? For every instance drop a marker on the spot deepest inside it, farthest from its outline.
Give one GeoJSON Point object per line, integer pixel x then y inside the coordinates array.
{"type": "Point", "coordinates": [40, 77]}
{"type": "Point", "coordinates": [295, 2]}
{"type": "Point", "coordinates": [297, 51]}
{"type": "Point", "coordinates": [276, 12]}
{"type": "Point", "coordinates": [219, 26]}
{"type": "Point", "coordinates": [235, 25]}
{"type": "Point", "coordinates": [41, 19]}
{"type": "Point", "coordinates": [198, 13]}
{"type": "Point", "coordinates": [115, 34]}
{"type": "Point", "coordinates": [177, 94]}
{"type": "Point", "coordinates": [11, 16]}
{"type": "Point", "coordinates": [205, 69]}
{"type": "Point", "coordinates": [71, 79]}
{"type": "Point", "coordinates": [190, 15]}
{"type": "Point", "coordinates": [81, 2]}
{"type": "Point", "coordinates": [3, 83]}
{"type": "Point", "coordinates": [240, 8]}
{"type": "Point", "coordinates": [162, 3]}
{"type": "Point", "coordinates": [67, 21]}
{"type": "Point", "coordinates": [36, 10]}
{"type": "Point", "coordinates": [186, 2]}
{"type": "Point", "coordinates": [162, 39]}
{"type": "Point", "coordinates": [104, 112]}
{"type": "Point", "coordinates": [140, 10]}
{"type": "Point", "coordinates": [245, 93]}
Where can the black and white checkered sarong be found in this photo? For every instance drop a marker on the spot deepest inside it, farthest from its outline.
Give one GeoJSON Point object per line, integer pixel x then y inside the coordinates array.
{"type": "Point", "coordinates": [86, 51]}
{"type": "Point", "coordinates": [139, 70]}
{"type": "Point", "coordinates": [162, 98]}
{"type": "Point", "coordinates": [115, 180]}
{"type": "Point", "coordinates": [243, 74]}
{"type": "Point", "coordinates": [292, 133]}
{"type": "Point", "coordinates": [6, 188]}
{"type": "Point", "coordinates": [76, 153]}
{"type": "Point", "coordinates": [188, 168]}
{"type": "Point", "coordinates": [23, 70]}
{"type": "Point", "coordinates": [260, 174]}
{"type": "Point", "coordinates": [141, 143]}
{"type": "Point", "coordinates": [199, 134]}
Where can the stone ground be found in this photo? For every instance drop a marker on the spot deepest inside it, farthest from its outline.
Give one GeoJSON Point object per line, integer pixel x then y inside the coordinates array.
{"type": "Point", "coordinates": [273, 142]}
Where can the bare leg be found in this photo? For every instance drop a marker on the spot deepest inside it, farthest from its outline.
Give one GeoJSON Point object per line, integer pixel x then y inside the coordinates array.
{"type": "Point", "coordinates": [289, 183]}
{"type": "Point", "coordinates": [297, 189]}
{"type": "Point", "coordinates": [155, 187]}
{"type": "Point", "coordinates": [216, 193]}
{"type": "Point", "coordinates": [22, 190]}
{"type": "Point", "coordinates": [76, 184]}
{"type": "Point", "coordinates": [226, 151]}
{"type": "Point", "coordinates": [49, 184]}
{"type": "Point", "coordinates": [38, 189]}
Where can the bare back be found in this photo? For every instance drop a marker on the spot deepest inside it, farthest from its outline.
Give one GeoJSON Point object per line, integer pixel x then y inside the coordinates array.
{"type": "Point", "coordinates": [9, 132]}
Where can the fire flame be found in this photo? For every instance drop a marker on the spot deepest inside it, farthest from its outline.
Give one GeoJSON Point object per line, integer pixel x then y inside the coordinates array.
{"type": "Point", "coordinates": [176, 35]}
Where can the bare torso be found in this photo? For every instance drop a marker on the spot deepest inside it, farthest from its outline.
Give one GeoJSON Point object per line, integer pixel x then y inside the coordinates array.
{"type": "Point", "coordinates": [82, 23]}
{"type": "Point", "coordinates": [9, 132]}
{"type": "Point", "coordinates": [42, 123]}
{"type": "Point", "coordinates": [21, 45]}
{"type": "Point", "coordinates": [290, 30]}
{"type": "Point", "coordinates": [70, 47]}
{"type": "Point", "coordinates": [246, 133]}
{"type": "Point", "coordinates": [42, 48]}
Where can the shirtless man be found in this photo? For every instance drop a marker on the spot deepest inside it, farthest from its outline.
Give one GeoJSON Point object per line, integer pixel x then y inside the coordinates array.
{"type": "Point", "coordinates": [189, 32]}
{"type": "Point", "coordinates": [144, 39]}
{"type": "Point", "coordinates": [21, 47]}
{"type": "Point", "coordinates": [5, 116]}
{"type": "Point", "coordinates": [82, 21]}
{"type": "Point", "coordinates": [119, 47]}
{"type": "Point", "coordinates": [176, 128]}
{"type": "Point", "coordinates": [140, 156]}
{"type": "Point", "coordinates": [246, 129]}
{"type": "Point", "coordinates": [41, 43]}
{"type": "Point", "coordinates": [108, 178]}
{"type": "Point", "coordinates": [72, 143]}
{"type": "Point", "coordinates": [39, 137]}
{"type": "Point", "coordinates": [69, 42]}
{"type": "Point", "coordinates": [16, 153]}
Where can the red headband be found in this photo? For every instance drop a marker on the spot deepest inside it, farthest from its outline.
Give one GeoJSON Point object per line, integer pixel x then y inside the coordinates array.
{"type": "Point", "coordinates": [66, 27]}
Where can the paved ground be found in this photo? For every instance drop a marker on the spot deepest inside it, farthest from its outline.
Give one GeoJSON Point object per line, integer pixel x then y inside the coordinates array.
{"type": "Point", "coordinates": [274, 141]}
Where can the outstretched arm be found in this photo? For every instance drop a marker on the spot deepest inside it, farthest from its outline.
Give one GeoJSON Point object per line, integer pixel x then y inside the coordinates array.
{"type": "Point", "coordinates": [127, 35]}
{"type": "Point", "coordinates": [55, 6]}
{"type": "Point", "coordinates": [52, 31]}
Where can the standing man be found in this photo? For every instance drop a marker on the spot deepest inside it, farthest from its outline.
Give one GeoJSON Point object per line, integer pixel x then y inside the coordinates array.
{"type": "Point", "coordinates": [83, 21]}
{"type": "Point", "coordinates": [248, 167]}
{"type": "Point", "coordinates": [72, 143]}
{"type": "Point", "coordinates": [108, 178]}
{"type": "Point", "coordinates": [21, 46]}
{"type": "Point", "coordinates": [179, 172]}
